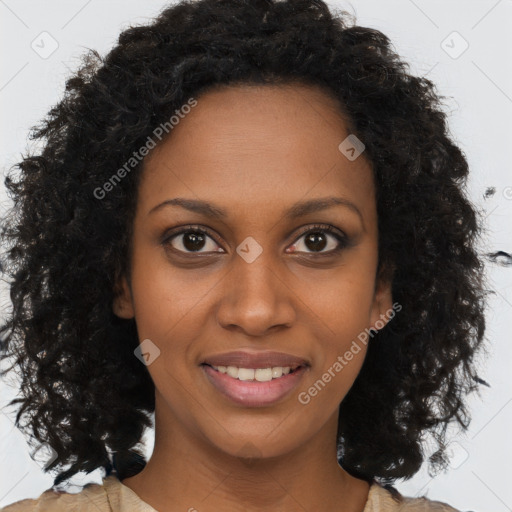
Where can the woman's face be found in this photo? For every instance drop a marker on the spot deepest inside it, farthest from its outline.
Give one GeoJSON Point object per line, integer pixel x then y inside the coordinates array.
{"type": "Point", "coordinates": [256, 282]}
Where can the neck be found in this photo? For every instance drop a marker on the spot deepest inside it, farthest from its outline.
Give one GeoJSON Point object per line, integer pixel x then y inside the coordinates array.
{"type": "Point", "coordinates": [185, 472]}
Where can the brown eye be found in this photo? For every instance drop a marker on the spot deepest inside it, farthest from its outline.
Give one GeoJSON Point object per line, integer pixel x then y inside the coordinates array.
{"type": "Point", "coordinates": [316, 239]}
{"type": "Point", "coordinates": [192, 240]}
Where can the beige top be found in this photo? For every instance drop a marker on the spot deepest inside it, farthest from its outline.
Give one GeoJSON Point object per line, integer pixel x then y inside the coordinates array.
{"type": "Point", "coordinates": [113, 496]}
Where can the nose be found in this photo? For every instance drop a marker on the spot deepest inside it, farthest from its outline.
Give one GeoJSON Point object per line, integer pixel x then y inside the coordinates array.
{"type": "Point", "coordinates": [256, 298]}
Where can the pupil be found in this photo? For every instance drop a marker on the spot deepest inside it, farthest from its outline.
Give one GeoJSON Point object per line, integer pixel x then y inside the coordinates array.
{"type": "Point", "coordinates": [191, 239]}
{"type": "Point", "coordinates": [316, 239]}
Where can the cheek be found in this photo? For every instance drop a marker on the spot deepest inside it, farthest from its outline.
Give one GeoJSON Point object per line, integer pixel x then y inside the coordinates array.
{"type": "Point", "coordinates": [342, 306]}
{"type": "Point", "coordinates": [164, 296]}
{"type": "Point", "coordinates": [341, 299]}
{"type": "Point", "coordinates": [336, 365]}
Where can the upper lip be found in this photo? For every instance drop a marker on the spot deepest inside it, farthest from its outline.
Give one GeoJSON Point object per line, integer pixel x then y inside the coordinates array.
{"type": "Point", "coordinates": [243, 359]}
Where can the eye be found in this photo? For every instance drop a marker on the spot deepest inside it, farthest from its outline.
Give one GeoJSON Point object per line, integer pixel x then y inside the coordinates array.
{"type": "Point", "coordinates": [190, 240]}
{"type": "Point", "coordinates": [316, 240]}
{"type": "Point", "coordinates": [194, 239]}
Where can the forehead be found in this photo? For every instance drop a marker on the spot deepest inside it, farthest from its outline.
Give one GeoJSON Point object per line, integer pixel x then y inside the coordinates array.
{"type": "Point", "coordinates": [257, 145]}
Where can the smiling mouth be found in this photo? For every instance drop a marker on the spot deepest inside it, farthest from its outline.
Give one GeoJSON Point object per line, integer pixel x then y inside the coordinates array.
{"type": "Point", "coordinates": [254, 387]}
{"type": "Point", "coordinates": [255, 374]}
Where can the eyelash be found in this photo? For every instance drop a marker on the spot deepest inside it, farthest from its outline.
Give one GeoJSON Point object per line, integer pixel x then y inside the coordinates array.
{"type": "Point", "coordinates": [342, 239]}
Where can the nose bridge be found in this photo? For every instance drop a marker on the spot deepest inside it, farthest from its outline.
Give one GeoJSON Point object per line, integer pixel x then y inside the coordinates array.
{"type": "Point", "coordinates": [255, 267]}
{"type": "Point", "coordinates": [254, 271]}
{"type": "Point", "coordinates": [255, 298]}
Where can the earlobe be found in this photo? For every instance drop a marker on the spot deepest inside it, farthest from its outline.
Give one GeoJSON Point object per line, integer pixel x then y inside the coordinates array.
{"type": "Point", "coordinates": [122, 305]}
{"type": "Point", "coordinates": [382, 309]}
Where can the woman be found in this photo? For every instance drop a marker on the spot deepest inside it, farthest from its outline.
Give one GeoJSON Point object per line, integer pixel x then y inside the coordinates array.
{"type": "Point", "coordinates": [248, 219]}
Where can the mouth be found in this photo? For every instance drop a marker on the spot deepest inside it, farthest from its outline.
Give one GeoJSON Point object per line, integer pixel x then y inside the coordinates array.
{"type": "Point", "coordinates": [254, 387]}
{"type": "Point", "coordinates": [256, 374]}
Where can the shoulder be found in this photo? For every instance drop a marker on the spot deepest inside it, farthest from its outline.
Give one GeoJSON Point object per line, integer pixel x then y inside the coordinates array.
{"type": "Point", "coordinates": [92, 498]}
{"type": "Point", "coordinates": [388, 499]}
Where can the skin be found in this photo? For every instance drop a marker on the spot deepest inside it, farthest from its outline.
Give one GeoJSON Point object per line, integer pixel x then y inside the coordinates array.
{"type": "Point", "coordinates": [253, 151]}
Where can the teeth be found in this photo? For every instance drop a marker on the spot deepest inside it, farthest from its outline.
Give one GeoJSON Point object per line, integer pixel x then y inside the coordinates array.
{"type": "Point", "coordinates": [277, 372]}
{"type": "Point", "coordinates": [262, 374]}
{"type": "Point", "coordinates": [245, 374]}
{"type": "Point", "coordinates": [232, 371]}
{"type": "Point", "coordinates": [258, 374]}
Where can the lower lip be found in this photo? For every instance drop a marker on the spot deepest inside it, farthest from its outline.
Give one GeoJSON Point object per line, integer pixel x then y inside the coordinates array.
{"type": "Point", "coordinates": [254, 393]}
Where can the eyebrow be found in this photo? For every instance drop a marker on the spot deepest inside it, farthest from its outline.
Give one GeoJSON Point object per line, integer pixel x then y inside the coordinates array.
{"type": "Point", "coordinates": [299, 209]}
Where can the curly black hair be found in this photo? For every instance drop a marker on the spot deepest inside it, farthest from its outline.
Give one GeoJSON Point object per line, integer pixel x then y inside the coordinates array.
{"type": "Point", "coordinates": [83, 391]}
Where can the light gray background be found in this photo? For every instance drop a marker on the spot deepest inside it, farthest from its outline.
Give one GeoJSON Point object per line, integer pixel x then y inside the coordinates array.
{"type": "Point", "coordinates": [479, 80]}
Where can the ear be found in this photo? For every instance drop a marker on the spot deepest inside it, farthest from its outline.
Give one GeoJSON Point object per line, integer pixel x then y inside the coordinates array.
{"type": "Point", "coordinates": [122, 305]}
{"type": "Point", "coordinates": [382, 310]}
